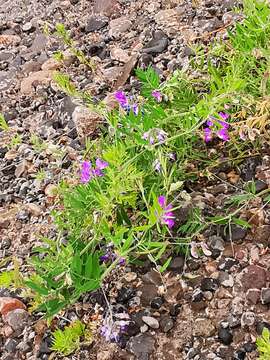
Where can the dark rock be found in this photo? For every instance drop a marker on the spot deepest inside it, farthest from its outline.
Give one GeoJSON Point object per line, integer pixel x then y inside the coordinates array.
{"type": "Point", "coordinates": [175, 309]}
{"type": "Point", "coordinates": [95, 23]}
{"type": "Point", "coordinates": [157, 302]}
{"type": "Point", "coordinates": [152, 277]}
{"type": "Point", "coordinates": [177, 264]}
{"type": "Point", "coordinates": [141, 344]}
{"type": "Point", "coordinates": [5, 244]}
{"type": "Point", "coordinates": [261, 325]}
{"type": "Point", "coordinates": [216, 243]}
{"type": "Point", "coordinates": [125, 295]}
{"type": "Point", "coordinates": [225, 336]}
{"type": "Point", "coordinates": [157, 45]}
{"type": "Point", "coordinates": [45, 346]}
{"type": "Point", "coordinates": [239, 355]}
{"type": "Point", "coordinates": [233, 321]}
{"type": "Point", "coordinates": [225, 279]}
{"type": "Point", "coordinates": [249, 347]}
{"type": "Point", "coordinates": [260, 186]}
{"type": "Point", "coordinates": [137, 317]}
{"type": "Point", "coordinates": [227, 263]}
{"type": "Point", "coordinates": [209, 284]}
{"type": "Point", "coordinates": [234, 233]}
{"type": "Point", "coordinates": [18, 319]}
{"type": "Point", "coordinates": [9, 170]}
{"type": "Point", "coordinates": [10, 345]}
{"type": "Point", "coordinates": [188, 51]}
{"type": "Point", "coordinates": [265, 296]}
{"type": "Point", "coordinates": [197, 295]}
{"type": "Point", "coordinates": [248, 168]}
{"type": "Point", "coordinates": [145, 60]}
{"type": "Point", "coordinates": [132, 329]}
{"type": "Point", "coordinates": [149, 291]}
{"type": "Point", "coordinates": [193, 264]}
{"type": "Point", "coordinates": [166, 323]}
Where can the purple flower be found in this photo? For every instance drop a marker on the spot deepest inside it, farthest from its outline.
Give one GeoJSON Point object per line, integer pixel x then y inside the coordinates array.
{"type": "Point", "coordinates": [161, 135]}
{"type": "Point", "coordinates": [121, 98]}
{"type": "Point", "coordinates": [113, 329]}
{"type": "Point", "coordinates": [157, 165]}
{"type": "Point", "coordinates": [223, 115]}
{"type": "Point", "coordinates": [207, 134]}
{"type": "Point", "coordinates": [155, 136]}
{"type": "Point", "coordinates": [223, 134]}
{"type": "Point", "coordinates": [157, 95]}
{"type": "Point", "coordinates": [122, 261]}
{"type": "Point", "coordinates": [167, 216]}
{"type": "Point", "coordinates": [109, 333]}
{"type": "Point", "coordinates": [100, 164]}
{"type": "Point", "coordinates": [135, 109]}
{"type": "Point", "coordinates": [86, 172]}
{"type": "Point", "coordinates": [105, 258]}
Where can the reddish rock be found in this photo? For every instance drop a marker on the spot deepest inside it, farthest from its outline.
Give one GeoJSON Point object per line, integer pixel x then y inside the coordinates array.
{"type": "Point", "coordinates": [8, 304]}
{"type": "Point", "coordinates": [106, 7]}
{"type": "Point", "coordinates": [254, 277]}
{"type": "Point", "coordinates": [253, 296]}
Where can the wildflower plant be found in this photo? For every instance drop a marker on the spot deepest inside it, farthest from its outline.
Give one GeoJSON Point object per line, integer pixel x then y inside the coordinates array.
{"type": "Point", "coordinates": [125, 198]}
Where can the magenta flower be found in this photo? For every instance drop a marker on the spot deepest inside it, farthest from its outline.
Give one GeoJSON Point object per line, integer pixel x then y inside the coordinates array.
{"type": "Point", "coordinates": [223, 115]}
{"type": "Point", "coordinates": [207, 134]}
{"type": "Point", "coordinates": [223, 134]}
{"type": "Point", "coordinates": [121, 98]}
{"type": "Point", "coordinates": [218, 127]}
{"type": "Point", "coordinates": [167, 216]}
{"type": "Point", "coordinates": [100, 164]}
{"type": "Point", "coordinates": [86, 172]}
{"type": "Point", "coordinates": [157, 95]}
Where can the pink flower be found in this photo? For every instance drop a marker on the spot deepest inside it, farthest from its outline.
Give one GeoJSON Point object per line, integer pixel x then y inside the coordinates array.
{"type": "Point", "coordinates": [167, 216]}
{"type": "Point", "coordinates": [157, 95]}
{"type": "Point", "coordinates": [86, 172]}
{"type": "Point", "coordinates": [207, 134]}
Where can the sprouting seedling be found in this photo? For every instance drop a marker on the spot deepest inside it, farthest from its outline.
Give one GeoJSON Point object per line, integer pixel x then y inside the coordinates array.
{"type": "Point", "coordinates": [3, 123]}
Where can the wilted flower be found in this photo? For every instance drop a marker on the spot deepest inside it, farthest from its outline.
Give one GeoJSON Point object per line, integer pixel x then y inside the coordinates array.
{"type": "Point", "coordinates": [157, 95]}
{"type": "Point", "coordinates": [155, 136]}
{"type": "Point", "coordinates": [113, 329]}
{"type": "Point", "coordinates": [167, 216]}
{"type": "Point", "coordinates": [196, 247]}
{"type": "Point", "coordinates": [246, 132]}
{"type": "Point", "coordinates": [157, 165]}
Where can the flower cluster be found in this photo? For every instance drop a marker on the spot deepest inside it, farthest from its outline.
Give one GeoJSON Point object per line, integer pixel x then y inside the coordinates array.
{"type": "Point", "coordinates": [155, 136]}
{"type": "Point", "coordinates": [217, 127]}
{"type": "Point", "coordinates": [111, 256]}
{"type": "Point", "coordinates": [113, 329]}
{"type": "Point", "coordinates": [126, 103]}
{"type": "Point", "coordinates": [166, 216]}
{"type": "Point", "coordinates": [88, 172]}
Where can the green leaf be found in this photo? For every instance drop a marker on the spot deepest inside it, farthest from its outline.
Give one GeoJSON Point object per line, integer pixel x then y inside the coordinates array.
{"type": "Point", "coordinates": [39, 289]}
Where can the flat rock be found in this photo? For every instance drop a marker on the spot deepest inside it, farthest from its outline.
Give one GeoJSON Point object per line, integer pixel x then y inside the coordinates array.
{"type": "Point", "coordinates": [169, 19]}
{"type": "Point", "coordinates": [50, 64]}
{"type": "Point", "coordinates": [39, 77]}
{"type": "Point", "coordinates": [106, 7]}
{"type": "Point", "coordinates": [6, 40]}
{"type": "Point", "coordinates": [119, 54]}
{"type": "Point", "coordinates": [95, 22]}
{"type": "Point", "coordinates": [8, 304]}
{"type": "Point", "coordinates": [151, 321]}
{"type": "Point", "coordinates": [265, 296]}
{"type": "Point", "coordinates": [17, 319]}
{"type": "Point", "coordinates": [203, 327]}
{"type": "Point", "coordinates": [141, 344]}
{"type": "Point", "coordinates": [253, 277]}
{"type": "Point", "coordinates": [119, 26]}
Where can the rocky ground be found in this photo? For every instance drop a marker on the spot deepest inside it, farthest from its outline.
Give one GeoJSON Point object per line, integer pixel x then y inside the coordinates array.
{"type": "Point", "coordinates": [213, 307]}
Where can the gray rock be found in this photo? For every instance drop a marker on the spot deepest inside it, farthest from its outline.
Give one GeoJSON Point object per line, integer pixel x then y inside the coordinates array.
{"type": "Point", "coordinates": [141, 344]}
{"type": "Point", "coordinates": [166, 323]}
{"type": "Point", "coordinates": [248, 318]}
{"type": "Point", "coordinates": [265, 296]}
{"type": "Point", "coordinates": [157, 45]}
{"type": "Point", "coordinates": [17, 319]}
{"type": "Point", "coordinates": [151, 321]}
{"type": "Point", "coordinates": [235, 233]}
{"type": "Point", "coordinates": [119, 26]}
{"type": "Point", "coordinates": [95, 23]}
{"type": "Point", "coordinates": [10, 345]}
{"type": "Point", "coordinates": [225, 336]}
{"type": "Point", "coordinates": [203, 327]}
{"type": "Point", "coordinates": [225, 279]}
{"type": "Point", "coordinates": [216, 243]}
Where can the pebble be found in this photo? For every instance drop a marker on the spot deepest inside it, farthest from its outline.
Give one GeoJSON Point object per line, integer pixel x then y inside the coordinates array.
{"type": "Point", "coordinates": [265, 296]}
{"type": "Point", "coordinates": [177, 264]}
{"type": "Point", "coordinates": [253, 277]}
{"type": "Point", "coordinates": [225, 336]}
{"type": "Point", "coordinates": [27, 27]}
{"type": "Point", "coordinates": [248, 318]}
{"type": "Point", "coordinates": [157, 302]}
{"type": "Point", "coordinates": [119, 26]}
{"type": "Point", "coordinates": [150, 321]}
{"type": "Point", "coordinates": [157, 45]}
{"type": "Point", "coordinates": [86, 122]}
{"type": "Point", "coordinates": [235, 233]}
{"type": "Point", "coordinates": [40, 77]}
{"type": "Point", "coordinates": [225, 279]}
{"type": "Point", "coordinates": [131, 276]}
{"type": "Point", "coordinates": [96, 22]}
{"type": "Point", "coordinates": [10, 345]}
{"type": "Point", "coordinates": [141, 344]}
{"type": "Point", "coordinates": [203, 327]}
{"type": "Point", "coordinates": [166, 323]}
{"type": "Point", "coordinates": [17, 319]}
{"type": "Point", "coordinates": [209, 284]}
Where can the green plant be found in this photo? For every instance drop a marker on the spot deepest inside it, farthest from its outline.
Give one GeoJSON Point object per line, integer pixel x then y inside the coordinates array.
{"type": "Point", "coordinates": [263, 345]}
{"type": "Point", "coordinates": [3, 124]}
{"type": "Point", "coordinates": [38, 144]}
{"type": "Point", "coordinates": [69, 340]}
{"type": "Point", "coordinates": [15, 141]}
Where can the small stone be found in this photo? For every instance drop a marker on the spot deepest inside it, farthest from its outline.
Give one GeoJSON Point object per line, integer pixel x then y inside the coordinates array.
{"type": "Point", "coordinates": [51, 190]}
{"type": "Point", "coordinates": [96, 22]}
{"type": "Point", "coordinates": [177, 264]}
{"type": "Point", "coordinates": [7, 40]}
{"type": "Point", "coordinates": [262, 234]}
{"type": "Point", "coordinates": [249, 347]}
{"type": "Point", "coordinates": [166, 323]}
{"type": "Point", "coordinates": [8, 304]}
{"type": "Point", "coordinates": [34, 209]}
{"type": "Point", "coordinates": [119, 54]}
{"type": "Point", "coordinates": [86, 122]}
{"type": "Point", "coordinates": [265, 296]}
{"type": "Point", "coordinates": [150, 321]}
{"type": "Point", "coordinates": [157, 302]}
{"type": "Point", "coordinates": [40, 77]}
{"type": "Point", "coordinates": [253, 277]}
{"type": "Point", "coordinates": [132, 329]}
{"type": "Point", "coordinates": [248, 318]}
{"type": "Point", "coordinates": [175, 309]}
{"type": "Point", "coordinates": [225, 336]}
{"type": "Point", "coordinates": [209, 284]}
{"type": "Point", "coordinates": [119, 26]}
{"type": "Point", "coordinates": [50, 64]}
{"type": "Point", "coordinates": [27, 27]}
{"type": "Point", "coordinates": [17, 319]}
{"type": "Point", "coordinates": [131, 276]}
{"type": "Point", "coordinates": [225, 279]}
{"type": "Point", "coordinates": [216, 243]}
{"type": "Point", "coordinates": [203, 327]}
{"type": "Point", "coordinates": [239, 355]}
{"type": "Point", "coordinates": [233, 321]}
{"type": "Point", "coordinates": [21, 168]}
{"type": "Point", "coordinates": [197, 295]}
{"type": "Point", "coordinates": [141, 344]}
{"type": "Point", "coordinates": [157, 45]}
{"type": "Point", "coordinates": [152, 277]}
{"type": "Point", "coordinates": [144, 328]}
{"type": "Point", "coordinates": [235, 233]}
{"type": "Point", "coordinates": [260, 186]}
{"type": "Point", "coordinates": [10, 345]}
{"type": "Point", "coordinates": [125, 294]}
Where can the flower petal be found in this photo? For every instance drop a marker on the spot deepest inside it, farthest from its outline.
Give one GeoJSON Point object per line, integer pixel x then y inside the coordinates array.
{"type": "Point", "coordinates": [162, 201]}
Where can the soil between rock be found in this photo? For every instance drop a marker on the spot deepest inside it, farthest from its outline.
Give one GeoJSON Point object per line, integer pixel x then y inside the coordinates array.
{"type": "Point", "coordinates": [218, 308]}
